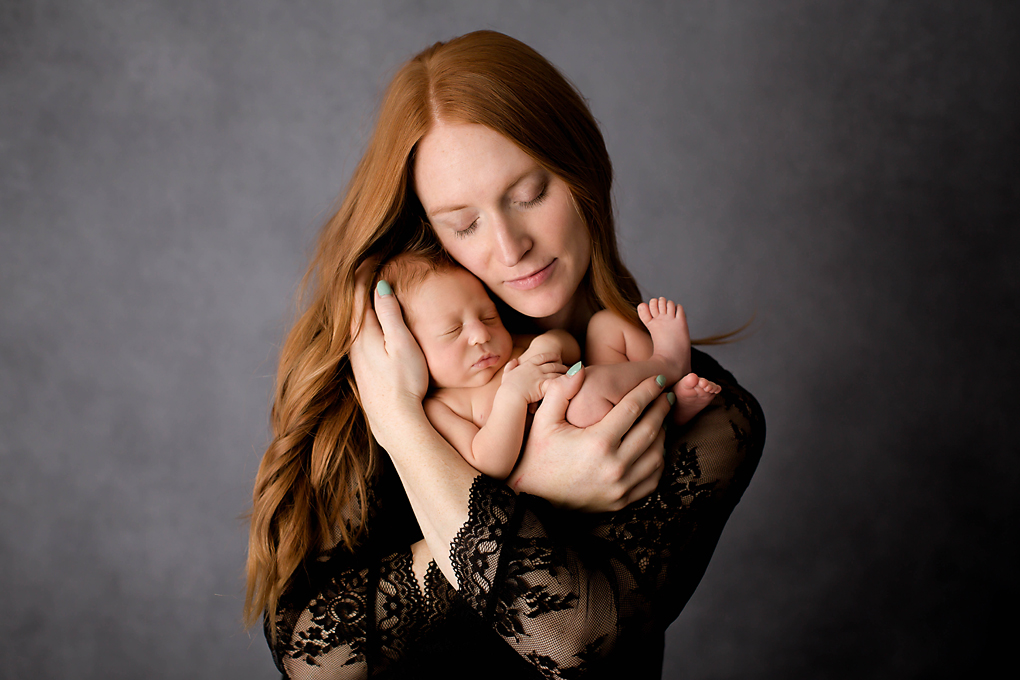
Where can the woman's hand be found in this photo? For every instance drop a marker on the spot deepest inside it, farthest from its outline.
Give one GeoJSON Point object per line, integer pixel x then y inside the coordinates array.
{"type": "Point", "coordinates": [388, 365]}
{"type": "Point", "coordinates": [603, 388]}
{"type": "Point", "coordinates": [601, 468]}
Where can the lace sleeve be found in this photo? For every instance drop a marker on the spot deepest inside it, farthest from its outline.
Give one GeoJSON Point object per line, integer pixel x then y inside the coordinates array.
{"type": "Point", "coordinates": [356, 621]}
{"type": "Point", "coordinates": [565, 590]}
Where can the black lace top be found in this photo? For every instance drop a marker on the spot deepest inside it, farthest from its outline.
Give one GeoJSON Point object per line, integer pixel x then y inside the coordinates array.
{"type": "Point", "coordinates": [542, 592]}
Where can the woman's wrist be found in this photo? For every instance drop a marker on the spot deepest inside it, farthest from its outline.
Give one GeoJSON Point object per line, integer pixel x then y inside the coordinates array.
{"type": "Point", "coordinates": [400, 420]}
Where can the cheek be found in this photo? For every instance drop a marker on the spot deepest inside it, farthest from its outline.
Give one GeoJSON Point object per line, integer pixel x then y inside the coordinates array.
{"type": "Point", "coordinates": [437, 357]}
{"type": "Point", "coordinates": [505, 339]}
{"type": "Point", "coordinates": [575, 234]}
{"type": "Point", "coordinates": [578, 244]}
{"type": "Point", "coordinates": [469, 253]}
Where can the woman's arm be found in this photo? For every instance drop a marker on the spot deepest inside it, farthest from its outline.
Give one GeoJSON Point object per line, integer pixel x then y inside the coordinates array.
{"type": "Point", "coordinates": [564, 589]}
{"type": "Point", "coordinates": [618, 462]}
{"type": "Point", "coordinates": [353, 616]}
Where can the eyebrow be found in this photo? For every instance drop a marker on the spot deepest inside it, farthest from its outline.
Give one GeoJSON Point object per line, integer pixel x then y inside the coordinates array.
{"type": "Point", "coordinates": [508, 189]}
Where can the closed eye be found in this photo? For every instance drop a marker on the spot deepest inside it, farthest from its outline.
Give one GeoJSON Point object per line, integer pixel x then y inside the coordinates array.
{"type": "Point", "coordinates": [536, 200]}
{"type": "Point", "coordinates": [463, 233]}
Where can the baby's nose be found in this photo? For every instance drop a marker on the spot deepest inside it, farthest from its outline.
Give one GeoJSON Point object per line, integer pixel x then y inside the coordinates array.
{"type": "Point", "coordinates": [480, 333]}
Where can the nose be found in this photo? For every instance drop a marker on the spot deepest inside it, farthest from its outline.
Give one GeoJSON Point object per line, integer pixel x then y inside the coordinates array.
{"type": "Point", "coordinates": [478, 333]}
{"type": "Point", "coordinates": [512, 241]}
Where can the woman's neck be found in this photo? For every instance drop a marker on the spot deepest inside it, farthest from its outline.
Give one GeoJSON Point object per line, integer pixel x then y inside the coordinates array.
{"type": "Point", "coordinates": [573, 318]}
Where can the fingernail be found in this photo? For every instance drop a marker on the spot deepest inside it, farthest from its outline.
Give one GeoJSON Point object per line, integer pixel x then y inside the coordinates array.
{"type": "Point", "coordinates": [661, 380]}
{"type": "Point", "coordinates": [574, 369]}
{"type": "Point", "coordinates": [383, 288]}
{"type": "Point", "coordinates": [671, 398]}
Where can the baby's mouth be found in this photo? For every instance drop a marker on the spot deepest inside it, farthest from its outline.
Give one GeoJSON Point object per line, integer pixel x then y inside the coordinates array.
{"type": "Point", "coordinates": [486, 361]}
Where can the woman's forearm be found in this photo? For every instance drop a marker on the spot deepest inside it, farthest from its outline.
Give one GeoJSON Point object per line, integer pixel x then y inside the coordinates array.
{"type": "Point", "coordinates": [435, 477]}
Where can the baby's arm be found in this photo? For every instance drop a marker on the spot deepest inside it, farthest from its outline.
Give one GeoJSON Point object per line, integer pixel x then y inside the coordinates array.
{"type": "Point", "coordinates": [556, 342]}
{"type": "Point", "coordinates": [461, 433]}
{"type": "Point", "coordinates": [493, 448]}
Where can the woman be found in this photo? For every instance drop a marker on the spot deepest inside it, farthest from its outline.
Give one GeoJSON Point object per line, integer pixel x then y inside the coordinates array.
{"type": "Point", "coordinates": [374, 547]}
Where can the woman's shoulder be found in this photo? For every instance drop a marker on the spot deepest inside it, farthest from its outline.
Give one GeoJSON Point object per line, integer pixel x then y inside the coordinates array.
{"type": "Point", "coordinates": [733, 392]}
{"type": "Point", "coordinates": [706, 366]}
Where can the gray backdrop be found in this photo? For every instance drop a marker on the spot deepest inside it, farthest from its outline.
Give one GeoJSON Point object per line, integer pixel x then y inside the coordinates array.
{"type": "Point", "coordinates": [845, 171]}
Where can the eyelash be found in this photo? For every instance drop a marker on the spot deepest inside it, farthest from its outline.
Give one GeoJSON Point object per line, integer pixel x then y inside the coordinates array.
{"type": "Point", "coordinates": [467, 231]}
{"type": "Point", "coordinates": [536, 200]}
{"type": "Point", "coordinates": [464, 233]}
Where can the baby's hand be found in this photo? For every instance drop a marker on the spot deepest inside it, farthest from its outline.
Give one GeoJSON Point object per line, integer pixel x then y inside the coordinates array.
{"type": "Point", "coordinates": [528, 375]}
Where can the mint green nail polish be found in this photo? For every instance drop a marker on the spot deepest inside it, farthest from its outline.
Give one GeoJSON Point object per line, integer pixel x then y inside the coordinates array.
{"type": "Point", "coordinates": [574, 369]}
{"type": "Point", "coordinates": [671, 398]}
{"type": "Point", "coordinates": [660, 380]}
{"type": "Point", "coordinates": [383, 288]}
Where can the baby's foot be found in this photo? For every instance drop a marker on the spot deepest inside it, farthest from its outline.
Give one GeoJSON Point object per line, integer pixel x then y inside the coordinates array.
{"type": "Point", "coordinates": [692, 395]}
{"type": "Point", "coordinates": [671, 341]}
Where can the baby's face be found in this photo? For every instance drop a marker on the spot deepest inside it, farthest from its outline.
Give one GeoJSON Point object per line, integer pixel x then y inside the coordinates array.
{"type": "Point", "coordinates": [458, 329]}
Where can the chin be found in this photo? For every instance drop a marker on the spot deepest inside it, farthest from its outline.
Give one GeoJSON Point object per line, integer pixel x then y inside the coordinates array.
{"type": "Point", "coordinates": [539, 307]}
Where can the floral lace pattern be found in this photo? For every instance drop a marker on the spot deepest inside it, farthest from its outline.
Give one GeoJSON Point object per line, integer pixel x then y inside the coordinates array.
{"type": "Point", "coordinates": [570, 594]}
{"type": "Point", "coordinates": [363, 619]}
{"type": "Point", "coordinates": [337, 619]}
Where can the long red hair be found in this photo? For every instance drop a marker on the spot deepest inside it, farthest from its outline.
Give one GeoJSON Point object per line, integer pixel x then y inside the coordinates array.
{"type": "Point", "coordinates": [311, 490]}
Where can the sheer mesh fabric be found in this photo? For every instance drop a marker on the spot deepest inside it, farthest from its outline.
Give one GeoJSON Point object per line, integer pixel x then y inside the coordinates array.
{"type": "Point", "coordinates": [570, 595]}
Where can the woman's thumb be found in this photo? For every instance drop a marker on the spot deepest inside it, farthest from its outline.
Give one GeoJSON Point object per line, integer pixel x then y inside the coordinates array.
{"type": "Point", "coordinates": [387, 309]}
{"type": "Point", "coordinates": [559, 391]}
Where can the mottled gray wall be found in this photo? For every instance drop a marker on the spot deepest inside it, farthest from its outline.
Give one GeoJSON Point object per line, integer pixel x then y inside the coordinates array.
{"type": "Point", "coordinates": [847, 171]}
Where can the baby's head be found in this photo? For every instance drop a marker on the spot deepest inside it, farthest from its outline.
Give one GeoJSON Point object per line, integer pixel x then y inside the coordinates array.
{"type": "Point", "coordinates": [451, 316]}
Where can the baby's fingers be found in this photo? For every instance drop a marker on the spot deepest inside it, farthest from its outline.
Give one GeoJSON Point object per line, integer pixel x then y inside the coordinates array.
{"type": "Point", "coordinates": [542, 358]}
{"type": "Point", "coordinates": [558, 393]}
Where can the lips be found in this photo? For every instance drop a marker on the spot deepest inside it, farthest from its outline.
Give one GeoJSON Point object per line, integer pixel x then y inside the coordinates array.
{"type": "Point", "coordinates": [533, 280]}
{"type": "Point", "coordinates": [486, 361]}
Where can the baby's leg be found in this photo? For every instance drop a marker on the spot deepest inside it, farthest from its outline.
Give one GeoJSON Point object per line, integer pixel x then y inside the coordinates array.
{"type": "Point", "coordinates": [619, 356]}
{"type": "Point", "coordinates": [610, 342]}
{"type": "Point", "coordinates": [665, 350]}
{"type": "Point", "coordinates": [692, 395]}
{"type": "Point", "coordinates": [667, 324]}
{"type": "Point", "coordinates": [671, 340]}
{"type": "Point", "coordinates": [634, 356]}
{"type": "Point", "coordinates": [611, 339]}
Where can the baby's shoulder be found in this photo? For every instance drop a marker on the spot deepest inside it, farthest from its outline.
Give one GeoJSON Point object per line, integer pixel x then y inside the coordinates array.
{"type": "Point", "coordinates": [456, 399]}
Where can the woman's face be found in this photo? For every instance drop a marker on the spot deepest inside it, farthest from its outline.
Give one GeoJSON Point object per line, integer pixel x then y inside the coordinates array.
{"type": "Point", "coordinates": [506, 219]}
